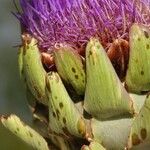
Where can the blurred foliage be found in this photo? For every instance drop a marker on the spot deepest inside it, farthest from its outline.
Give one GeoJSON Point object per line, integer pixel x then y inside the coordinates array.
{"type": "Point", "coordinates": [12, 95]}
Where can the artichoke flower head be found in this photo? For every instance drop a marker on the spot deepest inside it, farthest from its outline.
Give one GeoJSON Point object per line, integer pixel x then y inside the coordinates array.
{"type": "Point", "coordinates": [85, 65]}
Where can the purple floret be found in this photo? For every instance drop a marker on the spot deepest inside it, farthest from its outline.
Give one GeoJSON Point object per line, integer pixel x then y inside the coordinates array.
{"type": "Point", "coordinates": [75, 21]}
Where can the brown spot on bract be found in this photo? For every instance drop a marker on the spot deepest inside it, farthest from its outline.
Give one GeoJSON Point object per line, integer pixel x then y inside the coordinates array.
{"type": "Point", "coordinates": [82, 74]}
{"type": "Point", "coordinates": [136, 60]}
{"type": "Point", "coordinates": [57, 113]}
{"type": "Point", "coordinates": [139, 39]}
{"type": "Point", "coordinates": [54, 115]}
{"type": "Point", "coordinates": [76, 76]}
{"type": "Point", "coordinates": [90, 53]}
{"type": "Point", "coordinates": [73, 69]}
{"type": "Point", "coordinates": [64, 120]}
{"type": "Point", "coordinates": [18, 129]}
{"type": "Point", "coordinates": [143, 133]}
{"type": "Point", "coordinates": [61, 105]}
{"type": "Point", "coordinates": [146, 34]}
{"type": "Point", "coordinates": [31, 135]}
{"type": "Point", "coordinates": [135, 139]}
{"type": "Point", "coordinates": [147, 46]}
{"type": "Point", "coordinates": [142, 72]}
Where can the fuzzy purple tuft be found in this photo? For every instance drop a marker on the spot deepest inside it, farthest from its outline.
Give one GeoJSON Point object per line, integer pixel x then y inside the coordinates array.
{"type": "Point", "coordinates": [75, 21]}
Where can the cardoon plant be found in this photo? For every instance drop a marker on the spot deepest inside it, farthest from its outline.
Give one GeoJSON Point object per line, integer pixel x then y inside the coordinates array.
{"type": "Point", "coordinates": [86, 69]}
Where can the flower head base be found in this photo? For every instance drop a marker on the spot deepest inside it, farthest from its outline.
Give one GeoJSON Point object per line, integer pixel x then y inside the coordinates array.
{"type": "Point", "coordinates": [75, 21]}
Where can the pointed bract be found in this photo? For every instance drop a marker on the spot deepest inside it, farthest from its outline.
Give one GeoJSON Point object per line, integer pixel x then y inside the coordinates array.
{"type": "Point", "coordinates": [138, 73]}
{"type": "Point", "coordinates": [70, 68]}
{"type": "Point", "coordinates": [64, 117]}
{"type": "Point", "coordinates": [105, 96]}
{"type": "Point", "coordinates": [24, 132]}
{"type": "Point", "coordinates": [33, 71]}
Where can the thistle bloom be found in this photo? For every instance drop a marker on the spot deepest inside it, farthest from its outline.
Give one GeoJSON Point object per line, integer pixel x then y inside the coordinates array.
{"type": "Point", "coordinates": [83, 101]}
{"type": "Point", "coordinates": [75, 21]}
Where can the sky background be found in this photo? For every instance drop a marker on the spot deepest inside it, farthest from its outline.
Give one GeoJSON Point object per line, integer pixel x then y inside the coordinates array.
{"type": "Point", "coordinates": [12, 92]}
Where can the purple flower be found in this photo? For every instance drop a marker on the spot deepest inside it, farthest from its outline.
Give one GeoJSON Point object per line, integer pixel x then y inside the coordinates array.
{"type": "Point", "coordinates": [75, 21]}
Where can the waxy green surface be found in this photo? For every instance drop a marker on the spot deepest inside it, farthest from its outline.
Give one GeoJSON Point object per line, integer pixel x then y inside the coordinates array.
{"type": "Point", "coordinates": [105, 95]}
{"type": "Point", "coordinates": [32, 70]}
{"type": "Point", "coordinates": [24, 132]}
{"type": "Point", "coordinates": [138, 73]}
{"type": "Point", "coordinates": [70, 67]}
{"type": "Point", "coordinates": [64, 117]}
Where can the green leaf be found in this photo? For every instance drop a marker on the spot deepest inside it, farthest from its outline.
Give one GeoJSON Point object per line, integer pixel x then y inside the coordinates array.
{"type": "Point", "coordinates": [70, 68]}
{"type": "Point", "coordinates": [140, 130]}
{"type": "Point", "coordinates": [112, 133]}
{"type": "Point", "coordinates": [24, 132]}
{"type": "Point", "coordinates": [93, 146]}
{"type": "Point", "coordinates": [63, 115]}
{"type": "Point", "coordinates": [105, 96]}
{"type": "Point", "coordinates": [138, 73]}
{"type": "Point", "coordinates": [33, 70]}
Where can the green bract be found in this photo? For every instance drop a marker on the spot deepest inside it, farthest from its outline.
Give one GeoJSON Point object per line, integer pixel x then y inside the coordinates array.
{"type": "Point", "coordinates": [138, 73]}
{"type": "Point", "coordinates": [32, 68]}
{"type": "Point", "coordinates": [70, 68]}
{"type": "Point", "coordinates": [105, 96]}
{"type": "Point", "coordinates": [64, 117]}
{"type": "Point", "coordinates": [24, 132]}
